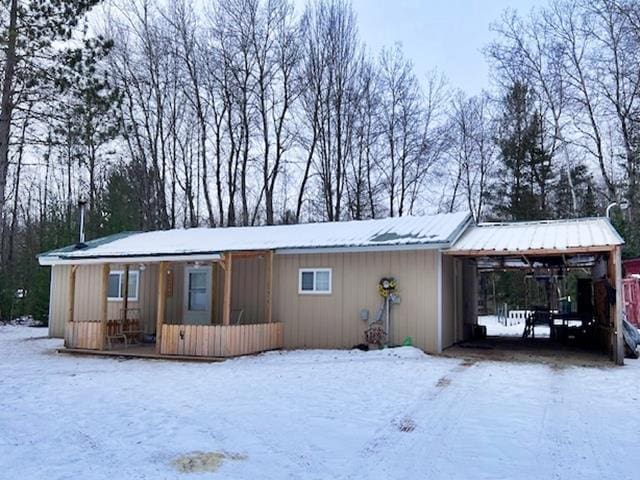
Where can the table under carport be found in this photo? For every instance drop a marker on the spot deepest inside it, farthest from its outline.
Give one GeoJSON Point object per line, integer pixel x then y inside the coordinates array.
{"type": "Point", "coordinates": [590, 245]}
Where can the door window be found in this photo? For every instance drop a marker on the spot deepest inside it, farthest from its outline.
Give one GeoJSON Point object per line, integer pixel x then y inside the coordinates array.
{"type": "Point", "coordinates": [197, 299]}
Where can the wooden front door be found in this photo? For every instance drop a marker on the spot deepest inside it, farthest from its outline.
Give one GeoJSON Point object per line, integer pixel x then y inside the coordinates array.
{"type": "Point", "coordinates": [197, 295]}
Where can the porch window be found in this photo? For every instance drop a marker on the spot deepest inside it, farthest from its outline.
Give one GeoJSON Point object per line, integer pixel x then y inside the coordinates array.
{"type": "Point", "coordinates": [116, 285]}
{"type": "Point", "coordinates": [314, 281]}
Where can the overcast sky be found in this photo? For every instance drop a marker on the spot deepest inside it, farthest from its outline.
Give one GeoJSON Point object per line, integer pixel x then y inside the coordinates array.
{"type": "Point", "coordinates": [444, 34]}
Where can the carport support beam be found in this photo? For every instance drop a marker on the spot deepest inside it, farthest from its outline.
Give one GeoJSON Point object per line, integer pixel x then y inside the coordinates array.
{"type": "Point", "coordinates": [618, 327]}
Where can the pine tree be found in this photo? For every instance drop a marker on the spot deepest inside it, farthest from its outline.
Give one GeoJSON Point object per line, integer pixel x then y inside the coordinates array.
{"type": "Point", "coordinates": [525, 174]}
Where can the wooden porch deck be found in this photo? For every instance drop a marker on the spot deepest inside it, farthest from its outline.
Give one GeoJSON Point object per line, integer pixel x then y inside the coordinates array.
{"type": "Point", "coordinates": [147, 351]}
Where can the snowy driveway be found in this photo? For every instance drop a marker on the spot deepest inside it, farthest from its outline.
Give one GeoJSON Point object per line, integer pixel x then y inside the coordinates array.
{"type": "Point", "coordinates": [315, 414]}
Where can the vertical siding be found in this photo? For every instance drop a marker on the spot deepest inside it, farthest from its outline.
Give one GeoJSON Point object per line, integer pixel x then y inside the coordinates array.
{"type": "Point", "coordinates": [248, 288]}
{"type": "Point", "coordinates": [333, 321]}
{"type": "Point", "coordinates": [248, 294]}
{"type": "Point", "coordinates": [448, 301]}
{"type": "Point", "coordinates": [310, 321]}
{"type": "Point", "coordinates": [175, 301]}
{"type": "Point", "coordinates": [58, 310]}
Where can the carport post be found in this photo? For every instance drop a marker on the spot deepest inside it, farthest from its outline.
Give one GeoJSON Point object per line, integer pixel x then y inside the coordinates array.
{"type": "Point", "coordinates": [618, 327]}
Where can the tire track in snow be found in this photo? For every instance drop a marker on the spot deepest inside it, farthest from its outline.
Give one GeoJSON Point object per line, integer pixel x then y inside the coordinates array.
{"type": "Point", "coordinates": [392, 448]}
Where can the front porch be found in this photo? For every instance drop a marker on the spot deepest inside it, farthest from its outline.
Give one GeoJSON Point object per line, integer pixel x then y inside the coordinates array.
{"type": "Point", "coordinates": [200, 308]}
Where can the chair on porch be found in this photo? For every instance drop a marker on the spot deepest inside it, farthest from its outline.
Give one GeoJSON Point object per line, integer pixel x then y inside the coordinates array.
{"type": "Point", "coordinates": [127, 330]}
{"type": "Point", "coordinates": [131, 327]}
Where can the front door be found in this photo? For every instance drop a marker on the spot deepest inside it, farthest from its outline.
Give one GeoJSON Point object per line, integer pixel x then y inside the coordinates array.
{"type": "Point", "coordinates": [197, 295]}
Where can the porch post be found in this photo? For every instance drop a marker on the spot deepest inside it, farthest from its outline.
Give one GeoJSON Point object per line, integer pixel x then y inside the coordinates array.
{"type": "Point", "coordinates": [162, 297]}
{"type": "Point", "coordinates": [125, 304]}
{"type": "Point", "coordinates": [268, 294]}
{"type": "Point", "coordinates": [226, 300]}
{"type": "Point", "coordinates": [71, 299]}
{"type": "Point", "coordinates": [103, 298]}
{"type": "Point", "coordinates": [214, 293]}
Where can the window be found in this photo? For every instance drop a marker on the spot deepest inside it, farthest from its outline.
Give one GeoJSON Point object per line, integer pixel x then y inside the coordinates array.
{"type": "Point", "coordinates": [314, 281]}
{"type": "Point", "coordinates": [197, 300]}
{"type": "Point", "coordinates": [116, 285]}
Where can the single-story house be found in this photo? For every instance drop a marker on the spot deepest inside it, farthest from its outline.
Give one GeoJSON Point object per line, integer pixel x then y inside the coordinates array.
{"type": "Point", "coordinates": [216, 292]}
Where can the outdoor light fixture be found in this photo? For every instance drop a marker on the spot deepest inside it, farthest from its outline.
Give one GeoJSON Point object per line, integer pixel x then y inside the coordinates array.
{"type": "Point", "coordinates": [142, 267]}
{"type": "Point", "coordinates": [623, 204]}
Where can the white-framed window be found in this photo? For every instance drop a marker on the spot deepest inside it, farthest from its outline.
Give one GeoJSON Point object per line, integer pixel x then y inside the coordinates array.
{"type": "Point", "coordinates": [315, 281]}
{"type": "Point", "coordinates": [116, 285]}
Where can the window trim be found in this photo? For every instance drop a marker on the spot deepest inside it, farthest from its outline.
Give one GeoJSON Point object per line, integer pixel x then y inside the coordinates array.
{"type": "Point", "coordinates": [314, 291]}
{"type": "Point", "coordinates": [120, 297]}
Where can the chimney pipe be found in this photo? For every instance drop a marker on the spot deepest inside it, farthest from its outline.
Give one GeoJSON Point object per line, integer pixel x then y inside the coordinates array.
{"type": "Point", "coordinates": [81, 205]}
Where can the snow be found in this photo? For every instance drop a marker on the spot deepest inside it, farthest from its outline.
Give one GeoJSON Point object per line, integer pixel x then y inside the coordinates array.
{"type": "Point", "coordinates": [311, 415]}
{"type": "Point", "coordinates": [497, 329]}
{"type": "Point", "coordinates": [408, 230]}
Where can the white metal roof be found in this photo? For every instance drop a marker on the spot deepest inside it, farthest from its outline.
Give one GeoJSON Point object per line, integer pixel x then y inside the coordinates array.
{"type": "Point", "coordinates": [434, 231]}
{"type": "Point", "coordinates": [588, 234]}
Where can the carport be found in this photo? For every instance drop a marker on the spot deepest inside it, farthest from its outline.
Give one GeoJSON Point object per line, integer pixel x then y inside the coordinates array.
{"type": "Point", "coordinates": [546, 250]}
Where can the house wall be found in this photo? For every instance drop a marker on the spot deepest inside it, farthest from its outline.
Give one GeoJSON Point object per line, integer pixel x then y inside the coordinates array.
{"type": "Point", "coordinates": [87, 305]}
{"type": "Point", "coordinates": [310, 321]}
{"type": "Point", "coordinates": [449, 328]}
{"type": "Point", "coordinates": [58, 310]}
{"type": "Point", "coordinates": [333, 321]}
{"type": "Point", "coordinates": [248, 294]}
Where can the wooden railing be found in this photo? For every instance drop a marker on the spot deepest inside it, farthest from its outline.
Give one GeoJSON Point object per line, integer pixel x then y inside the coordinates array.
{"type": "Point", "coordinates": [220, 340]}
{"type": "Point", "coordinates": [83, 334]}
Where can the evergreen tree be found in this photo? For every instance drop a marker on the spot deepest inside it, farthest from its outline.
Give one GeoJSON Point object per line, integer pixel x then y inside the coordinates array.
{"type": "Point", "coordinates": [525, 173]}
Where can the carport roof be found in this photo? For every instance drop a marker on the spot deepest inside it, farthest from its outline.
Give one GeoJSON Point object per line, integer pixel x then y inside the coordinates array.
{"type": "Point", "coordinates": [580, 235]}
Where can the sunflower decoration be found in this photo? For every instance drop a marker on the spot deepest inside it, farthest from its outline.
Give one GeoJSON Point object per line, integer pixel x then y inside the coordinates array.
{"type": "Point", "coordinates": [387, 286]}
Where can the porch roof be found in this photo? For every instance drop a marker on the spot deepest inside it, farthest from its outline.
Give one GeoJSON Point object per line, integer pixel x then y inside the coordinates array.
{"type": "Point", "coordinates": [410, 232]}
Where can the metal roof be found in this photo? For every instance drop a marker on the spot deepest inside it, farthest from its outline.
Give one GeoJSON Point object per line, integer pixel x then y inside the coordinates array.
{"type": "Point", "coordinates": [434, 231]}
{"type": "Point", "coordinates": [552, 236]}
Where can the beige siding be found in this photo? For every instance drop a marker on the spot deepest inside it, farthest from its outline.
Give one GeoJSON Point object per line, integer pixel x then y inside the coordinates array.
{"type": "Point", "coordinates": [333, 321]}
{"type": "Point", "coordinates": [248, 294]}
{"type": "Point", "coordinates": [87, 296]}
{"type": "Point", "coordinates": [310, 321]}
{"type": "Point", "coordinates": [459, 299]}
{"type": "Point", "coordinates": [448, 302]}
{"type": "Point", "coordinates": [58, 310]}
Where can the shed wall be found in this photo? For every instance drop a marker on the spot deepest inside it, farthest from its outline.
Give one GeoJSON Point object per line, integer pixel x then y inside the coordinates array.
{"type": "Point", "coordinates": [333, 321]}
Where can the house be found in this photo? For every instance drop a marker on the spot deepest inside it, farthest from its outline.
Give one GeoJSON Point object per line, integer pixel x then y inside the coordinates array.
{"type": "Point", "coordinates": [216, 292]}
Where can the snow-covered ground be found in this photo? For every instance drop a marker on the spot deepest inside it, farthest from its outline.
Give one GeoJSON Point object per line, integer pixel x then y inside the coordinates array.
{"type": "Point", "coordinates": [314, 414]}
{"type": "Point", "coordinates": [497, 329]}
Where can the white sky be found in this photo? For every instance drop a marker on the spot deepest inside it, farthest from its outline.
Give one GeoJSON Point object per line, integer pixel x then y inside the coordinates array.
{"type": "Point", "coordinates": [447, 35]}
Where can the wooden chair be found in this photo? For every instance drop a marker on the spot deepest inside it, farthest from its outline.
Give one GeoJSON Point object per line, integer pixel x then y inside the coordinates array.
{"type": "Point", "coordinates": [114, 332]}
{"type": "Point", "coordinates": [131, 328]}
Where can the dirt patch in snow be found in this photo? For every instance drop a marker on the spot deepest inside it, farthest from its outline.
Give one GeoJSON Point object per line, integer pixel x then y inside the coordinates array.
{"type": "Point", "coordinates": [196, 462]}
{"type": "Point", "coordinates": [467, 362]}
{"type": "Point", "coordinates": [443, 382]}
{"type": "Point", "coordinates": [406, 425]}
{"type": "Point", "coordinates": [32, 339]}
